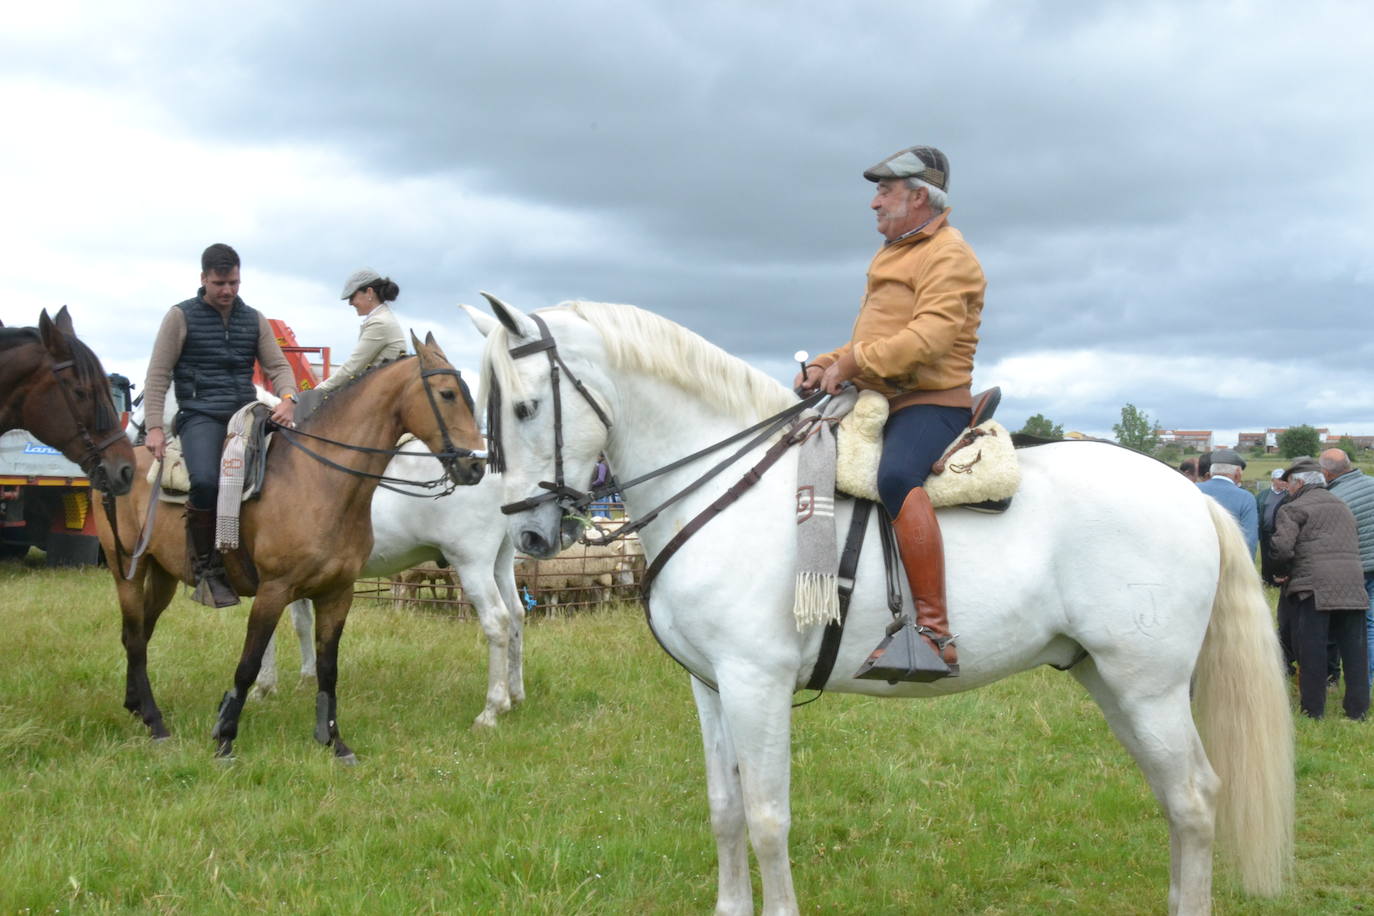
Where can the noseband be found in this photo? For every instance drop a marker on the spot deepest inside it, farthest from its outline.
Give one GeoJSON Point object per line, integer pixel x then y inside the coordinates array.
{"type": "Point", "coordinates": [90, 460]}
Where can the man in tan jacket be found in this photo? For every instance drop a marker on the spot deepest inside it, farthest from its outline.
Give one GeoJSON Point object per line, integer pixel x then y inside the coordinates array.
{"type": "Point", "coordinates": [914, 342]}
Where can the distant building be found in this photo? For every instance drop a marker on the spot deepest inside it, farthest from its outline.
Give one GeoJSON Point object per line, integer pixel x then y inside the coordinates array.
{"type": "Point", "coordinates": [1360, 441]}
{"type": "Point", "coordinates": [1196, 439]}
{"type": "Point", "coordinates": [1270, 439]}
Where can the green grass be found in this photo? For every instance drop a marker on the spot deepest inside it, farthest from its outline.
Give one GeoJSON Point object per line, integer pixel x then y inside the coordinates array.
{"type": "Point", "coordinates": [1013, 799]}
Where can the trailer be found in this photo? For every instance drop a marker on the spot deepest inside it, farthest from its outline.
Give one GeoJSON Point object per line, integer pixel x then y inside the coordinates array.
{"type": "Point", "coordinates": [46, 500]}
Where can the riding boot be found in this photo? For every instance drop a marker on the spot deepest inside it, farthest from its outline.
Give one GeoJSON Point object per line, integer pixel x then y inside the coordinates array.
{"type": "Point", "coordinates": [901, 656]}
{"type": "Point", "coordinates": [212, 584]}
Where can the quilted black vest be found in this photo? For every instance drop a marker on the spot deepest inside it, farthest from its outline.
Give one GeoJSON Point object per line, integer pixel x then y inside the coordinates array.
{"type": "Point", "coordinates": [214, 375]}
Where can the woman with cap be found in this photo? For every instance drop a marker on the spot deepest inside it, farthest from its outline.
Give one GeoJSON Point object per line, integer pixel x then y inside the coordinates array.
{"type": "Point", "coordinates": [380, 338]}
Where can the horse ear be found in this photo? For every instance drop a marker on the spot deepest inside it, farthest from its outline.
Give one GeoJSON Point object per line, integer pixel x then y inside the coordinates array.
{"type": "Point", "coordinates": [516, 321]}
{"type": "Point", "coordinates": [63, 320]}
{"type": "Point", "coordinates": [429, 339]}
{"type": "Point", "coordinates": [484, 323]}
{"type": "Point", "coordinates": [57, 343]}
{"type": "Point", "coordinates": [416, 345]}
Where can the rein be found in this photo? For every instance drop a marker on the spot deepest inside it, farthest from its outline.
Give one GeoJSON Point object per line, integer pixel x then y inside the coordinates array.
{"type": "Point", "coordinates": [447, 457]}
{"type": "Point", "coordinates": [570, 499]}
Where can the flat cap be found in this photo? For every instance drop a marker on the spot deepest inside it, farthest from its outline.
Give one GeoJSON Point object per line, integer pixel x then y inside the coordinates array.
{"type": "Point", "coordinates": [924, 162]}
{"type": "Point", "coordinates": [1301, 464]}
{"type": "Point", "coordinates": [359, 279]}
{"type": "Point", "coordinates": [1227, 456]}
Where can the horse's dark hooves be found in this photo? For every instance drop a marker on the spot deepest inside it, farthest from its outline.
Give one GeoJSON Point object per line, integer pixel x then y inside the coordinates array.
{"type": "Point", "coordinates": [224, 750]}
{"type": "Point", "coordinates": [159, 733]}
{"type": "Point", "coordinates": [343, 753]}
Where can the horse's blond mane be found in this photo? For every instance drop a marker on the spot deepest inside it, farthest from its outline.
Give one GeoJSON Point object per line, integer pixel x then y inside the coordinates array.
{"type": "Point", "coordinates": [642, 341]}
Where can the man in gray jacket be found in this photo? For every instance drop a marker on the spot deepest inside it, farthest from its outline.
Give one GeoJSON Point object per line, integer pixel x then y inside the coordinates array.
{"type": "Point", "coordinates": [1316, 542]}
{"type": "Point", "coordinates": [1356, 490]}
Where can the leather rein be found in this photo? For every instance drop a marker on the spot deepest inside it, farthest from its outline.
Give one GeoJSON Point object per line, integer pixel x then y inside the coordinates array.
{"type": "Point", "coordinates": [450, 454]}
{"type": "Point", "coordinates": [578, 501]}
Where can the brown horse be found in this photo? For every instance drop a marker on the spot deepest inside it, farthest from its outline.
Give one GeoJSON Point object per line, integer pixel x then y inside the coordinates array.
{"type": "Point", "coordinates": [309, 531]}
{"type": "Point", "coordinates": [52, 385]}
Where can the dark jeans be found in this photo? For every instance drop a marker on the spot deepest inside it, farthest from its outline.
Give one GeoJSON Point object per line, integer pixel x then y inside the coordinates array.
{"type": "Point", "coordinates": [1312, 631]}
{"type": "Point", "coordinates": [202, 443]}
{"type": "Point", "coordinates": [914, 438]}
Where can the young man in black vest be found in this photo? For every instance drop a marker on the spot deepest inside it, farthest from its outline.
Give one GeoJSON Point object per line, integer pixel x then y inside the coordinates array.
{"type": "Point", "coordinates": [206, 348]}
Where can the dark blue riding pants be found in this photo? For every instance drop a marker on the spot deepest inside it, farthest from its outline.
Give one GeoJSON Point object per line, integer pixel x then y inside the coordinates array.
{"type": "Point", "coordinates": [914, 438]}
{"type": "Point", "coordinates": [202, 442]}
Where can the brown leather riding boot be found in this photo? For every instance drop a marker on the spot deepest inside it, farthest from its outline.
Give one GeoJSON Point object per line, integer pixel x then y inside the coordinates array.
{"type": "Point", "coordinates": [920, 650]}
{"type": "Point", "coordinates": [923, 556]}
{"type": "Point", "coordinates": [212, 585]}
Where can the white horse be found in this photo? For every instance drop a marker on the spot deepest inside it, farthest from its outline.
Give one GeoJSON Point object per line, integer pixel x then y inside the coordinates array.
{"type": "Point", "coordinates": [465, 528]}
{"type": "Point", "coordinates": [1107, 561]}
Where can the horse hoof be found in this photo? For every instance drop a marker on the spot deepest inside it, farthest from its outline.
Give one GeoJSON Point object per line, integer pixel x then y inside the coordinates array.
{"type": "Point", "coordinates": [158, 732]}
{"type": "Point", "coordinates": [485, 720]}
{"type": "Point", "coordinates": [262, 691]}
{"type": "Point", "coordinates": [347, 760]}
{"type": "Point", "coordinates": [224, 751]}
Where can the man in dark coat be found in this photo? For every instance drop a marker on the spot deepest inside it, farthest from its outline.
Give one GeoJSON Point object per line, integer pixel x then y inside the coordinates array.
{"type": "Point", "coordinates": [1315, 540]}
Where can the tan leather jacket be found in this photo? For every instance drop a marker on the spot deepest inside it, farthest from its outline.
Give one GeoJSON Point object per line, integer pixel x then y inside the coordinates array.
{"type": "Point", "coordinates": [917, 328]}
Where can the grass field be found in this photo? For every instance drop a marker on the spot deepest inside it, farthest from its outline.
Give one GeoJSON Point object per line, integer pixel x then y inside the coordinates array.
{"type": "Point", "coordinates": [589, 799]}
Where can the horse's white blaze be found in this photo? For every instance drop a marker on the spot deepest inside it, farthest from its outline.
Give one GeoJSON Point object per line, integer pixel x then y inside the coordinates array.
{"type": "Point", "coordinates": [1102, 549]}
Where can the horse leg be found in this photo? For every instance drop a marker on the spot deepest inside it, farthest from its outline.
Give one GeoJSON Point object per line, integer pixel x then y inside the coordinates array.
{"type": "Point", "coordinates": [262, 622]}
{"type": "Point", "coordinates": [480, 589]}
{"type": "Point", "coordinates": [734, 894]}
{"type": "Point", "coordinates": [331, 611]}
{"type": "Point", "coordinates": [141, 602]}
{"type": "Point", "coordinates": [1156, 726]}
{"type": "Point", "coordinates": [266, 683]}
{"type": "Point", "coordinates": [303, 619]}
{"type": "Point", "coordinates": [504, 574]}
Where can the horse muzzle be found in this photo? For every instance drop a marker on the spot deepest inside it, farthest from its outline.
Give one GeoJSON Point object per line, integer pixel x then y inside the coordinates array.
{"type": "Point", "coordinates": [468, 470]}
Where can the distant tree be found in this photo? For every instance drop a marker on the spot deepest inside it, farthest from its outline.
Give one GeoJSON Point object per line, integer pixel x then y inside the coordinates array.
{"type": "Point", "coordinates": [1299, 440]}
{"type": "Point", "coordinates": [1042, 426]}
{"type": "Point", "coordinates": [1348, 446]}
{"type": "Point", "coordinates": [1136, 430]}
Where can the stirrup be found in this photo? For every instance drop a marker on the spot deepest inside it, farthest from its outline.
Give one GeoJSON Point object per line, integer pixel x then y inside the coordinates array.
{"type": "Point", "coordinates": [905, 655]}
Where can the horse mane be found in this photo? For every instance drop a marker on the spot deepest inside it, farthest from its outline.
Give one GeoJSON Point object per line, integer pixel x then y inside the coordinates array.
{"type": "Point", "coordinates": [639, 340]}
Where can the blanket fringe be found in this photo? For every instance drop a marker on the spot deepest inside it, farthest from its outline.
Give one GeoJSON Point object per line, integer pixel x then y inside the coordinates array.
{"type": "Point", "coordinates": [817, 601]}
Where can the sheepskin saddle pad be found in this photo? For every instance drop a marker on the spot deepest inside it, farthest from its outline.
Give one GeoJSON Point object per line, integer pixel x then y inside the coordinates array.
{"type": "Point", "coordinates": [979, 470]}
{"type": "Point", "coordinates": [250, 449]}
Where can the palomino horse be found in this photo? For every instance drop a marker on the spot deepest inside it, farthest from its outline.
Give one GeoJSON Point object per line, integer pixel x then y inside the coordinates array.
{"type": "Point", "coordinates": [1108, 564]}
{"type": "Point", "coordinates": [52, 385]}
{"type": "Point", "coordinates": [308, 532]}
{"type": "Point", "coordinates": [465, 528]}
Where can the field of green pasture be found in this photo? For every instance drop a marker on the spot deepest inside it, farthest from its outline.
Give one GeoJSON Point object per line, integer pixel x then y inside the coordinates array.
{"type": "Point", "coordinates": [588, 799]}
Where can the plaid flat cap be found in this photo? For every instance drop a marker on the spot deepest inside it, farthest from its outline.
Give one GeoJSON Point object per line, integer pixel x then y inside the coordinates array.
{"type": "Point", "coordinates": [924, 162]}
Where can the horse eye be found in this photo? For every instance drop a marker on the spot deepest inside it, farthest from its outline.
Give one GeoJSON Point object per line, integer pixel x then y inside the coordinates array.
{"type": "Point", "coordinates": [525, 409]}
{"type": "Point", "coordinates": [447, 395]}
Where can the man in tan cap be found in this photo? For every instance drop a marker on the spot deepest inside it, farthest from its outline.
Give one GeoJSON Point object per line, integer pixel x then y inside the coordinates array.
{"type": "Point", "coordinates": [914, 341]}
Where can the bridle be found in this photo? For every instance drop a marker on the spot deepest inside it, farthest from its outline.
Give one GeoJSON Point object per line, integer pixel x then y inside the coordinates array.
{"type": "Point", "coordinates": [448, 458]}
{"type": "Point", "coordinates": [90, 461]}
{"type": "Point", "coordinates": [569, 498]}
{"type": "Point", "coordinates": [577, 502]}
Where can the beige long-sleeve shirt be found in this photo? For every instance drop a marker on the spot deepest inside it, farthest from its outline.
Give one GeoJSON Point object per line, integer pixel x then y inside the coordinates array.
{"type": "Point", "coordinates": [379, 339]}
{"type": "Point", "coordinates": [167, 350]}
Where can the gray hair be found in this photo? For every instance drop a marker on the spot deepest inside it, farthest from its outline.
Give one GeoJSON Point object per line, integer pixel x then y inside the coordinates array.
{"type": "Point", "coordinates": [1225, 470]}
{"type": "Point", "coordinates": [1335, 464]}
{"type": "Point", "coordinates": [1309, 478]}
{"type": "Point", "coordinates": [938, 199]}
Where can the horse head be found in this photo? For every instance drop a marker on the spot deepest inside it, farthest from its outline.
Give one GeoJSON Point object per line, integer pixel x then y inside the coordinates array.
{"type": "Point", "coordinates": [548, 417]}
{"type": "Point", "coordinates": [438, 409]}
{"type": "Point", "coordinates": [73, 410]}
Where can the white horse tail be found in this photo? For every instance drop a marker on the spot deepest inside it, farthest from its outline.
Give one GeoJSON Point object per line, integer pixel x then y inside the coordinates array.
{"type": "Point", "coordinates": [1244, 718]}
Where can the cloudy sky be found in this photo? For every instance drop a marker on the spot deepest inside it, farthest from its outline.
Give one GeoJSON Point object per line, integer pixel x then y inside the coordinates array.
{"type": "Point", "coordinates": [1171, 200]}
